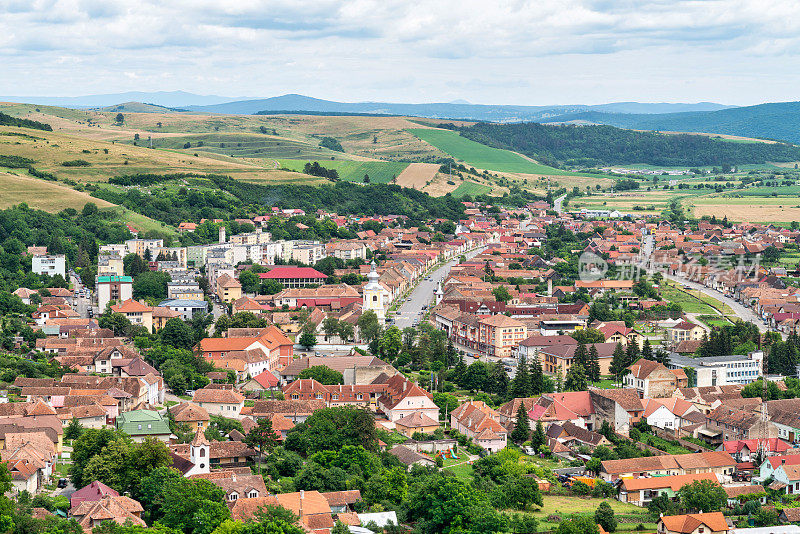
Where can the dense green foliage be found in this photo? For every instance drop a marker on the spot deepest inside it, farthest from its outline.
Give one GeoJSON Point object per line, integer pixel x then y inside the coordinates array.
{"type": "Point", "coordinates": [331, 143]}
{"type": "Point", "coordinates": [8, 120]}
{"type": "Point", "coordinates": [607, 145]}
{"type": "Point", "coordinates": [322, 374]}
{"type": "Point", "coordinates": [236, 199]}
{"type": "Point", "coordinates": [333, 428]}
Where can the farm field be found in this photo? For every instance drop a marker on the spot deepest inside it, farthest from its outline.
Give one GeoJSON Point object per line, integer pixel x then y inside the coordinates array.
{"type": "Point", "coordinates": [482, 156]}
{"type": "Point", "coordinates": [378, 171]}
{"type": "Point", "coordinates": [564, 506]}
{"type": "Point", "coordinates": [751, 209]}
{"type": "Point", "coordinates": [472, 189]}
{"type": "Point", "coordinates": [417, 175]}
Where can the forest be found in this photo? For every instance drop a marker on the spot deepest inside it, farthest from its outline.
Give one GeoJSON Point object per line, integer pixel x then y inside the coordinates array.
{"type": "Point", "coordinates": [235, 199]}
{"type": "Point", "coordinates": [606, 145]}
{"type": "Point", "coordinates": [8, 120]}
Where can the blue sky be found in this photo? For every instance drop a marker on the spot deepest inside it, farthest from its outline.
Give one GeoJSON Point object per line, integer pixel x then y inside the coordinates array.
{"type": "Point", "coordinates": [535, 52]}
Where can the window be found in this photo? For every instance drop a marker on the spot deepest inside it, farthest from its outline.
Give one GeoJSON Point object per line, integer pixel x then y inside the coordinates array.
{"type": "Point", "coordinates": [233, 496]}
{"type": "Point", "coordinates": [140, 427]}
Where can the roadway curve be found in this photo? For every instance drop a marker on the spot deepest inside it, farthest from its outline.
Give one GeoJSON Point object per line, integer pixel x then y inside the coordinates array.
{"type": "Point", "coordinates": [744, 313]}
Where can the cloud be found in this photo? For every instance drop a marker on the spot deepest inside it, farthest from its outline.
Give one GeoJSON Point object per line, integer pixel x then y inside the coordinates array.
{"type": "Point", "coordinates": [376, 49]}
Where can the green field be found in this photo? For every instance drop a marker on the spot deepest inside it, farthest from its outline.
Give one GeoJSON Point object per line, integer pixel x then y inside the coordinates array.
{"type": "Point", "coordinates": [241, 145]}
{"type": "Point", "coordinates": [471, 188]}
{"type": "Point", "coordinates": [379, 172]}
{"type": "Point", "coordinates": [482, 156]}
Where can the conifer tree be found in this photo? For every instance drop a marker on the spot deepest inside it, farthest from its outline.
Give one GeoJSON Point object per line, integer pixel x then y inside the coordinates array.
{"type": "Point", "coordinates": [593, 368]}
{"type": "Point", "coordinates": [576, 378]}
{"type": "Point", "coordinates": [537, 377]}
{"type": "Point", "coordinates": [522, 428]}
{"type": "Point", "coordinates": [618, 362]}
{"type": "Point", "coordinates": [647, 350]}
{"type": "Point", "coordinates": [581, 356]}
{"type": "Point", "coordinates": [521, 386]}
{"type": "Point", "coordinates": [538, 439]}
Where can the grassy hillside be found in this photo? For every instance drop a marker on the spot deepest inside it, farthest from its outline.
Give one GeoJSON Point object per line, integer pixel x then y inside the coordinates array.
{"type": "Point", "coordinates": [607, 145]}
{"type": "Point", "coordinates": [379, 172]}
{"type": "Point", "coordinates": [482, 156]}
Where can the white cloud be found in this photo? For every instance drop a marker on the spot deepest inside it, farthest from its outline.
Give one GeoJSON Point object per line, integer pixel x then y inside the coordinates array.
{"type": "Point", "coordinates": [513, 51]}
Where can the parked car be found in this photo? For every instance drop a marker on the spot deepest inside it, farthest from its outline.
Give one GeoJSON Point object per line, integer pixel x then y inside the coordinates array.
{"type": "Point", "coordinates": [62, 483]}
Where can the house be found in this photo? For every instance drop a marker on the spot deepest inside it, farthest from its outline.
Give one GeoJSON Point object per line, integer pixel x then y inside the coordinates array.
{"type": "Point", "coordinates": [295, 411]}
{"type": "Point", "coordinates": [737, 494]}
{"type": "Point", "coordinates": [706, 523]}
{"type": "Point", "coordinates": [190, 414]}
{"type": "Point", "coordinates": [342, 501]}
{"type": "Point", "coordinates": [622, 408]}
{"type": "Point", "coordinates": [311, 507]}
{"type": "Point", "coordinates": [573, 435]}
{"type": "Point", "coordinates": [410, 458]}
{"type": "Point", "coordinates": [120, 509]}
{"type": "Point", "coordinates": [264, 381]}
{"type": "Point", "coordinates": [402, 397]}
{"type": "Point", "coordinates": [50, 265]}
{"type": "Point", "coordinates": [668, 414]}
{"type": "Point", "coordinates": [640, 491]}
{"type": "Point", "coordinates": [745, 450]}
{"type": "Point", "coordinates": [224, 402]}
{"type": "Point", "coordinates": [201, 455]}
{"type": "Point", "coordinates": [725, 424]}
{"type": "Point", "coordinates": [559, 358]}
{"type": "Point", "coordinates": [684, 331]}
{"type": "Point", "coordinates": [718, 462]}
{"type": "Point", "coordinates": [92, 492]}
{"type": "Point", "coordinates": [788, 474]}
{"type": "Point", "coordinates": [136, 312]}
{"type": "Point", "coordinates": [481, 423]}
{"type": "Point", "coordinates": [416, 422]}
{"type": "Point", "coordinates": [574, 406]}
{"type": "Point", "coordinates": [768, 466]}
{"type": "Point", "coordinates": [142, 424]}
{"type": "Point", "coordinates": [653, 379]}
{"type": "Point", "coordinates": [238, 483]}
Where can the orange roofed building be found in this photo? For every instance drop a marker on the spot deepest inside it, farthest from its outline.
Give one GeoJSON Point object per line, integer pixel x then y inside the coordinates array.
{"type": "Point", "coordinates": [278, 349]}
{"type": "Point", "coordinates": [707, 523]}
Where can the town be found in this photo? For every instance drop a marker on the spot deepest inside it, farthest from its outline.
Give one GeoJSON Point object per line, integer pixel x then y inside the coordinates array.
{"type": "Point", "coordinates": [542, 359]}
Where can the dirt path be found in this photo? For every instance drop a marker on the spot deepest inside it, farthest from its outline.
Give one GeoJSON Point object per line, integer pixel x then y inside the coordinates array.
{"type": "Point", "coordinates": [416, 175]}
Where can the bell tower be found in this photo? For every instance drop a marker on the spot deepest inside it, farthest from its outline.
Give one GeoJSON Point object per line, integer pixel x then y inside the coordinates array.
{"type": "Point", "coordinates": [376, 297]}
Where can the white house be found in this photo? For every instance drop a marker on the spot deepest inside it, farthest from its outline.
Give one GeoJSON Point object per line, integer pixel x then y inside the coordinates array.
{"type": "Point", "coordinates": [49, 264]}
{"type": "Point", "coordinates": [667, 413]}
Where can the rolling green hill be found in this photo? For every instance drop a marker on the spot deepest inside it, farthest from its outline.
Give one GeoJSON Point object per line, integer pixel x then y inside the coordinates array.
{"type": "Point", "coordinates": [482, 156]}
{"type": "Point", "coordinates": [607, 145]}
{"type": "Point", "coordinates": [379, 172]}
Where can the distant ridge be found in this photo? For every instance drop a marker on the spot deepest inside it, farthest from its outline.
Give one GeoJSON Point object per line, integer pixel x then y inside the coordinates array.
{"type": "Point", "coordinates": [779, 121]}
{"type": "Point", "coordinates": [170, 99]}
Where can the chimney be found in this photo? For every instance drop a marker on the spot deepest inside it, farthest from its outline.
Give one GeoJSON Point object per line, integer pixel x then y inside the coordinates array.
{"type": "Point", "coordinates": [550, 287]}
{"type": "Point", "coordinates": [783, 461]}
{"type": "Point", "coordinates": [233, 477]}
{"type": "Point", "coordinates": [222, 234]}
{"type": "Point", "coordinates": [302, 496]}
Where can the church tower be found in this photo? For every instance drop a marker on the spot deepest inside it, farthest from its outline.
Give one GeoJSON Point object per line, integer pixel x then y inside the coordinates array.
{"type": "Point", "coordinates": [376, 297]}
{"type": "Point", "coordinates": [200, 454]}
{"type": "Point", "coordinates": [439, 293]}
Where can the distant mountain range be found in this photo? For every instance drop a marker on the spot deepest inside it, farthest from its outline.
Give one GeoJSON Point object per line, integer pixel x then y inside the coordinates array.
{"type": "Point", "coordinates": [442, 110]}
{"type": "Point", "coordinates": [170, 99]}
{"type": "Point", "coordinates": [777, 121]}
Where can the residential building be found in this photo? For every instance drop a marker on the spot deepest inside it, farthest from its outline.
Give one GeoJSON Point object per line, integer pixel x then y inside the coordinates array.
{"type": "Point", "coordinates": [141, 424]}
{"type": "Point", "coordinates": [481, 423]}
{"type": "Point", "coordinates": [120, 509]}
{"type": "Point", "coordinates": [113, 288]}
{"type": "Point", "coordinates": [137, 313]}
{"type": "Point", "coordinates": [704, 523]}
{"type": "Point", "coordinates": [640, 491]}
{"type": "Point", "coordinates": [50, 265]}
{"type": "Point", "coordinates": [683, 331]}
{"type": "Point", "coordinates": [224, 402]}
{"type": "Point", "coordinates": [228, 288]}
{"type": "Point", "coordinates": [721, 370]}
{"type": "Point", "coordinates": [416, 422]}
{"type": "Point", "coordinates": [403, 397]}
{"type": "Point", "coordinates": [668, 414]}
{"type": "Point", "coordinates": [186, 309]}
{"type": "Point", "coordinates": [720, 463]}
{"type": "Point", "coordinates": [190, 414]}
{"type": "Point", "coordinates": [290, 276]}
{"type": "Point", "coordinates": [652, 379]}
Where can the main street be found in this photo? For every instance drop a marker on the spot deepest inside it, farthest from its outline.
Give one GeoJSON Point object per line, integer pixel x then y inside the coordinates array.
{"type": "Point", "coordinates": [411, 309]}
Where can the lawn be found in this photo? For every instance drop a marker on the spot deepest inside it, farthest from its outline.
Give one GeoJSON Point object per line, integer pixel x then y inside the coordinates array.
{"type": "Point", "coordinates": [567, 505]}
{"type": "Point", "coordinates": [689, 303]}
{"type": "Point", "coordinates": [471, 188]}
{"type": "Point", "coordinates": [462, 471]}
{"type": "Point", "coordinates": [483, 156]}
{"type": "Point", "coordinates": [379, 172]}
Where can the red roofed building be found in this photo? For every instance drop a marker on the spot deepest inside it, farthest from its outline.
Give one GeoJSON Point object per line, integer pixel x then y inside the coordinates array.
{"type": "Point", "coordinates": [481, 423]}
{"type": "Point", "coordinates": [744, 450]}
{"type": "Point", "coordinates": [708, 523]}
{"type": "Point", "coordinates": [290, 276]}
{"type": "Point", "coordinates": [403, 397]}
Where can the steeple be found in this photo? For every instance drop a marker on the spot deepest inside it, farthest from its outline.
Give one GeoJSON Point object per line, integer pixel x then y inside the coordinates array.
{"type": "Point", "coordinates": [200, 453]}
{"type": "Point", "coordinates": [439, 293]}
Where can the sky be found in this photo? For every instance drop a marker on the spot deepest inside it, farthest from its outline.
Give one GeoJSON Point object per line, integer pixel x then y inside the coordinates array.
{"type": "Point", "coordinates": [538, 52]}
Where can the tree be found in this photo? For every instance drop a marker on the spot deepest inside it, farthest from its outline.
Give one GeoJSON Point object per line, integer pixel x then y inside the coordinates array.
{"type": "Point", "coordinates": [134, 265]}
{"type": "Point", "coordinates": [578, 525]}
{"type": "Point", "coordinates": [333, 428]}
{"type": "Point", "coordinates": [262, 438]}
{"type": "Point", "coordinates": [120, 118]}
{"type": "Point", "coordinates": [499, 381]}
{"type": "Point", "coordinates": [116, 322]}
{"type": "Point", "coordinates": [346, 331]}
{"type": "Point", "coordinates": [576, 379]}
{"type": "Point", "coordinates": [661, 504]}
{"type": "Point", "coordinates": [391, 342]}
{"type": "Point", "coordinates": [618, 363]}
{"type": "Point", "coordinates": [521, 492]}
{"type": "Point", "coordinates": [593, 368]}
{"type": "Point", "coordinates": [537, 378]}
{"type": "Point", "coordinates": [122, 464]}
{"type": "Point", "coordinates": [322, 374]}
{"type": "Point", "coordinates": [703, 495]}
{"type": "Point", "coordinates": [501, 294]}
{"type": "Point", "coordinates": [330, 325]}
{"type": "Point", "coordinates": [604, 516]}
{"type": "Point", "coordinates": [538, 439]}
{"type": "Point", "coordinates": [368, 326]}
{"type": "Point", "coordinates": [177, 333]}
{"type": "Point", "coordinates": [588, 335]}
{"type": "Point", "coordinates": [581, 356]}
{"type": "Point", "coordinates": [308, 338]}
{"type": "Point", "coordinates": [74, 429]}
{"type": "Point", "coordinates": [87, 446]}
{"type": "Point", "coordinates": [522, 428]}
{"type": "Point", "coordinates": [521, 385]}
{"type": "Point", "coordinates": [647, 350]}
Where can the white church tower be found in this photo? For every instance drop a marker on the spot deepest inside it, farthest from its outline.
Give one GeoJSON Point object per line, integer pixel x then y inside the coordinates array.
{"type": "Point", "coordinates": [199, 454]}
{"type": "Point", "coordinates": [376, 297]}
{"type": "Point", "coordinates": [439, 293]}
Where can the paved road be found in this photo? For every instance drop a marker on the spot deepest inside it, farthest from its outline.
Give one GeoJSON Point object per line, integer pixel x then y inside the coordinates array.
{"type": "Point", "coordinates": [746, 314]}
{"type": "Point", "coordinates": [557, 204]}
{"type": "Point", "coordinates": [411, 310]}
